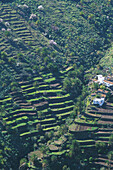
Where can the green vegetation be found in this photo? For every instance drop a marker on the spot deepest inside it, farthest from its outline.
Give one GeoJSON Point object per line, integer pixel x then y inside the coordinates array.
{"type": "Point", "coordinates": [49, 53]}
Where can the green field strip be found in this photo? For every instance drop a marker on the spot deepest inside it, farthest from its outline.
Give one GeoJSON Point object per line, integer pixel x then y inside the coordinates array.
{"type": "Point", "coordinates": [44, 126]}
{"type": "Point", "coordinates": [21, 119]}
{"type": "Point", "coordinates": [26, 86]}
{"type": "Point", "coordinates": [103, 137]}
{"type": "Point", "coordinates": [62, 103]}
{"type": "Point", "coordinates": [10, 122]}
{"type": "Point", "coordinates": [43, 121]}
{"type": "Point", "coordinates": [5, 100]}
{"type": "Point", "coordinates": [25, 32]}
{"type": "Point", "coordinates": [59, 87]}
{"type": "Point", "coordinates": [17, 26]}
{"type": "Point", "coordinates": [44, 85]}
{"type": "Point", "coordinates": [51, 128]}
{"type": "Point", "coordinates": [2, 43]}
{"type": "Point", "coordinates": [47, 91]}
{"type": "Point", "coordinates": [65, 71]}
{"type": "Point", "coordinates": [37, 78]}
{"type": "Point", "coordinates": [24, 134]}
{"type": "Point", "coordinates": [50, 80]}
{"type": "Point", "coordinates": [20, 29]}
{"type": "Point", "coordinates": [61, 77]}
{"type": "Point", "coordinates": [3, 48]}
{"type": "Point", "coordinates": [36, 99]}
{"type": "Point", "coordinates": [13, 12]}
{"type": "Point", "coordinates": [59, 97]}
{"type": "Point", "coordinates": [49, 75]}
{"type": "Point", "coordinates": [47, 120]}
{"type": "Point", "coordinates": [18, 23]}
{"type": "Point", "coordinates": [9, 17]}
{"type": "Point", "coordinates": [44, 111]}
{"type": "Point", "coordinates": [64, 114]}
{"type": "Point", "coordinates": [87, 146]}
{"type": "Point", "coordinates": [80, 121]}
{"type": "Point", "coordinates": [60, 109]}
{"type": "Point", "coordinates": [27, 89]}
{"type": "Point", "coordinates": [84, 141]}
{"type": "Point", "coordinates": [9, 108]}
{"type": "Point", "coordinates": [59, 153]}
{"type": "Point", "coordinates": [28, 133]}
{"type": "Point", "coordinates": [19, 125]}
{"type": "Point", "coordinates": [93, 115]}
{"type": "Point", "coordinates": [23, 110]}
{"type": "Point", "coordinates": [26, 38]}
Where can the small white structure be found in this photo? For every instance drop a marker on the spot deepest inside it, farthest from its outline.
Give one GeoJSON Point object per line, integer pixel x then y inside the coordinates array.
{"type": "Point", "coordinates": [98, 101]}
{"type": "Point", "coordinates": [1, 20]}
{"type": "Point", "coordinates": [52, 42]}
{"type": "Point", "coordinates": [100, 79]}
{"type": "Point", "coordinates": [40, 7]}
{"type": "Point", "coordinates": [7, 24]}
{"type": "Point", "coordinates": [32, 16]}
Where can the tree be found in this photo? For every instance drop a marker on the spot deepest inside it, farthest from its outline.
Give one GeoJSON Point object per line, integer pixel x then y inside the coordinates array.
{"type": "Point", "coordinates": [7, 33]}
{"type": "Point", "coordinates": [45, 165]}
{"type": "Point", "coordinates": [65, 167]}
{"type": "Point", "coordinates": [33, 158]}
{"type": "Point", "coordinates": [74, 149]}
{"type": "Point", "coordinates": [23, 161]}
{"type": "Point", "coordinates": [54, 159]}
{"type": "Point", "coordinates": [3, 55]}
{"type": "Point", "coordinates": [111, 141]}
{"type": "Point", "coordinates": [110, 157]}
{"type": "Point", "coordinates": [101, 147]}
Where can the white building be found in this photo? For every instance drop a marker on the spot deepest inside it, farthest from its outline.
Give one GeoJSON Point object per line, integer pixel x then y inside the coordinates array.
{"type": "Point", "coordinates": [108, 83]}
{"type": "Point", "coordinates": [98, 101]}
{"type": "Point", "coordinates": [100, 79]}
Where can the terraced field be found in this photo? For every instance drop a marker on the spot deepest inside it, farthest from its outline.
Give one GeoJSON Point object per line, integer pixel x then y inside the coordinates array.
{"type": "Point", "coordinates": [37, 104]}
{"type": "Point", "coordinates": [100, 118]}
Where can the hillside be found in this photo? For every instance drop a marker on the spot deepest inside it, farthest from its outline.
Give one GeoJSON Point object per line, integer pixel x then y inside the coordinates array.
{"type": "Point", "coordinates": [49, 51]}
{"type": "Point", "coordinates": [107, 61]}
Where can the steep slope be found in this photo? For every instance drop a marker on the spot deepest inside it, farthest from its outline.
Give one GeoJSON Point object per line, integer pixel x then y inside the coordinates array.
{"type": "Point", "coordinates": [40, 47]}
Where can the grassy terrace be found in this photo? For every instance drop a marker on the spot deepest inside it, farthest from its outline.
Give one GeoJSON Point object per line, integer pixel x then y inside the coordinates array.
{"type": "Point", "coordinates": [50, 80]}
{"type": "Point", "coordinates": [60, 97]}
{"type": "Point", "coordinates": [58, 153]}
{"type": "Point", "coordinates": [37, 78]}
{"type": "Point", "coordinates": [50, 128]}
{"type": "Point", "coordinates": [19, 118]}
{"type": "Point", "coordinates": [61, 109]}
{"type": "Point", "coordinates": [88, 141]}
{"type": "Point", "coordinates": [20, 112]}
{"type": "Point", "coordinates": [67, 70]}
{"type": "Point", "coordinates": [19, 125]}
{"type": "Point", "coordinates": [47, 91]}
{"type": "Point", "coordinates": [29, 89]}
{"type": "Point", "coordinates": [80, 121]}
{"type": "Point", "coordinates": [60, 104]}
{"type": "Point", "coordinates": [65, 114]}
{"type": "Point", "coordinates": [36, 99]}
{"type": "Point", "coordinates": [29, 133]}
{"type": "Point", "coordinates": [26, 86]}
{"type": "Point", "coordinates": [8, 99]}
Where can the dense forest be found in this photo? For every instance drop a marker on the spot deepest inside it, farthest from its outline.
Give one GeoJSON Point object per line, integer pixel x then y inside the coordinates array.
{"type": "Point", "coordinates": [50, 54]}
